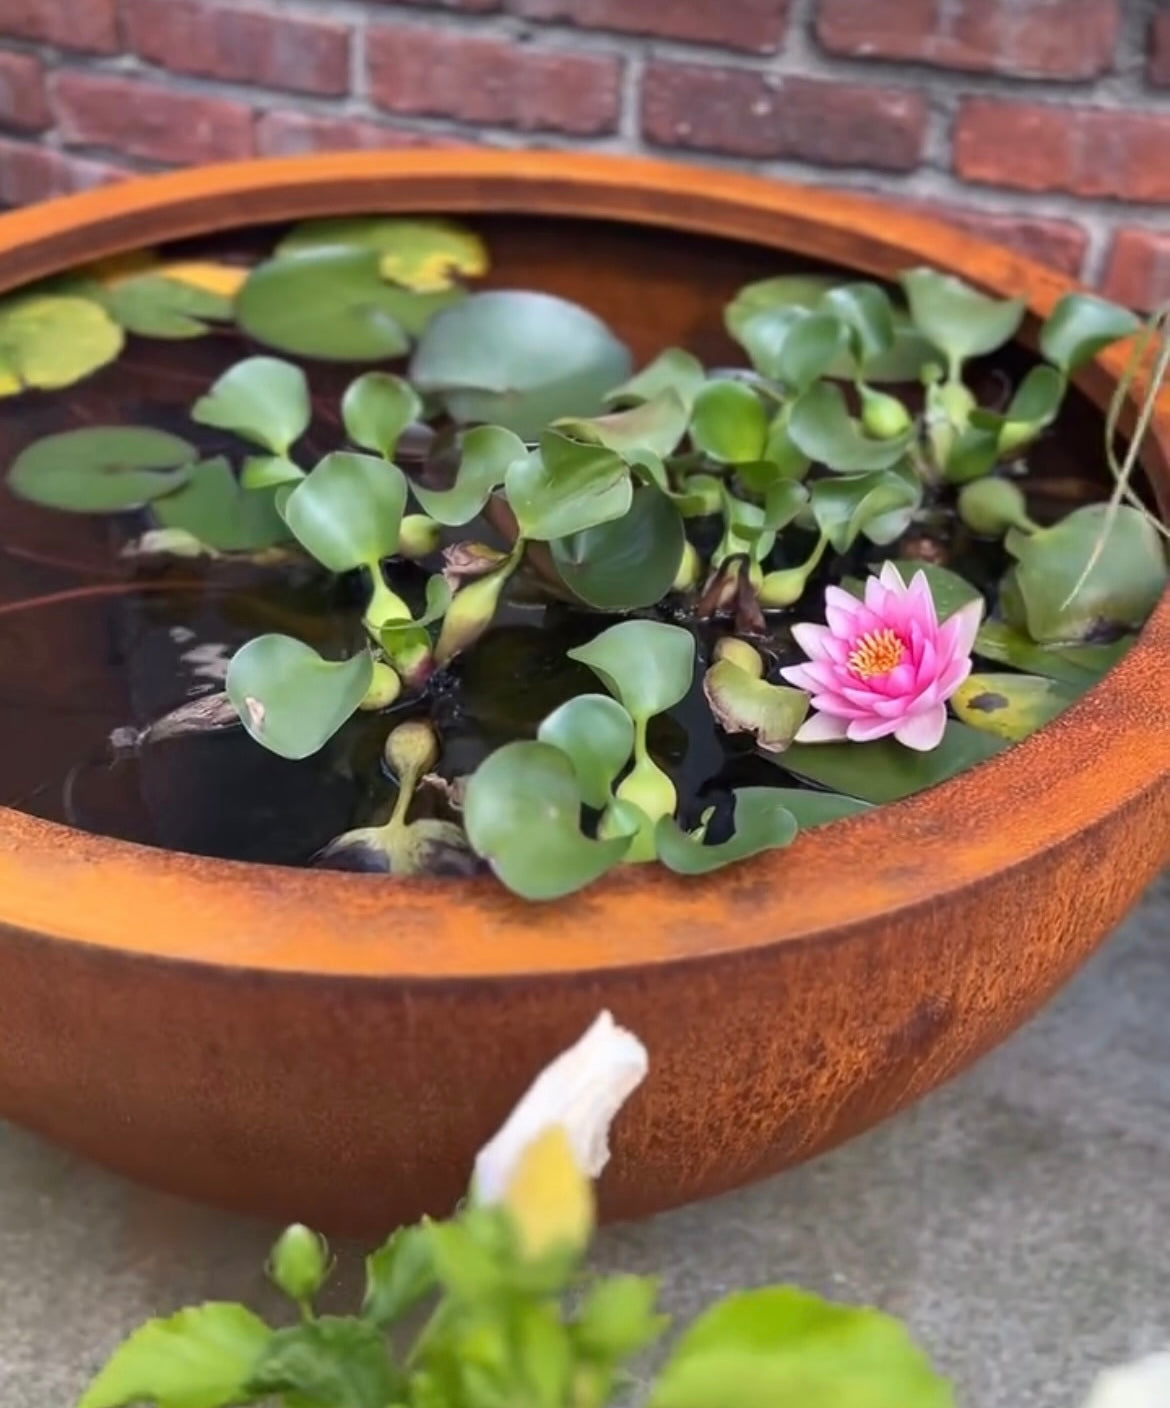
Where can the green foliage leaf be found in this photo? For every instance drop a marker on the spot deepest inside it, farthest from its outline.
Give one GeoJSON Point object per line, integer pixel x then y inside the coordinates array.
{"type": "Point", "coordinates": [347, 512]}
{"type": "Point", "coordinates": [885, 771]}
{"type": "Point", "coordinates": [376, 408]}
{"type": "Point", "coordinates": [519, 359]}
{"type": "Point", "coordinates": [617, 1318]}
{"type": "Point", "coordinates": [956, 318]}
{"type": "Point", "coordinates": [742, 703]}
{"type": "Point", "coordinates": [101, 468]}
{"type": "Point", "coordinates": [656, 425]}
{"type": "Point", "coordinates": [629, 562]}
{"type": "Point", "coordinates": [201, 1357]}
{"type": "Point", "coordinates": [784, 502]}
{"type": "Point", "coordinates": [729, 422]}
{"type": "Point", "coordinates": [646, 665]}
{"type": "Point", "coordinates": [820, 426]}
{"type": "Point", "coordinates": [1080, 326]}
{"type": "Point", "coordinates": [597, 735]}
{"type": "Point", "coordinates": [487, 452]}
{"type": "Point", "coordinates": [818, 808]}
{"type": "Point", "coordinates": [543, 1355]}
{"type": "Point", "coordinates": [565, 488]}
{"type": "Point", "coordinates": [974, 453]}
{"type": "Point", "coordinates": [289, 698]}
{"type": "Point", "coordinates": [779, 1345]}
{"type": "Point", "coordinates": [398, 1275]}
{"type": "Point", "coordinates": [673, 370]}
{"type": "Point", "coordinates": [1010, 706]}
{"type": "Point", "coordinates": [808, 349]}
{"type": "Point", "coordinates": [762, 823]}
{"type": "Point", "coordinates": [330, 1362]}
{"type": "Point", "coordinates": [152, 305]}
{"type": "Point", "coordinates": [1080, 665]}
{"type": "Point", "coordinates": [269, 472]}
{"type": "Point", "coordinates": [48, 341]}
{"type": "Point", "coordinates": [262, 399]}
{"type": "Point", "coordinates": [425, 255]}
{"type": "Point", "coordinates": [213, 508]}
{"type": "Point", "coordinates": [522, 814]}
{"type": "Point", "coordinates": [868, 314]}
{"type": "Point", "coordinates": [880, 505]}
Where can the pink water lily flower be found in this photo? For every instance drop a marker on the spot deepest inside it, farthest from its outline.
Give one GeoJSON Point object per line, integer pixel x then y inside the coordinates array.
{"type": "Point", "coordinates": [883, 665]}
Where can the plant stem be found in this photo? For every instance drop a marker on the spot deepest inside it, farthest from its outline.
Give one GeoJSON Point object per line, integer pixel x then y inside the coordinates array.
{"type": "Point", "coordinates": [98, 589]}
{"type": "Point", "coordinates": [384, 605]}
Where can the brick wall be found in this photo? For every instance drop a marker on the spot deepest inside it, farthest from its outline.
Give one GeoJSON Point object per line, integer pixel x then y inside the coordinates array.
{"type": "Point", "coordinates": [1042, 123]}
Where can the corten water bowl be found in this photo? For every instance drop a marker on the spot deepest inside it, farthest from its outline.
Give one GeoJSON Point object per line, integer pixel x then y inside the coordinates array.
{"type": "Point", "coordinates": [335, 1047]}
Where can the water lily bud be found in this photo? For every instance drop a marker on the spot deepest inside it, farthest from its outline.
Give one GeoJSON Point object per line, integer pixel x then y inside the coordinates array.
{"type": "Point", "coordinates": [991, 506]}
{"type": "Point", "coordinates": [783, 588]}
{"type": "Point", "coordinates": [418, 535]}
{"type": "Point", "coordinates": [463, 562]}
{"type": "Point", "coordinates": [690, 569]}
{"type": "Point", "coordinates": [471, 612]}
{"type": "Point", "coordinates": [740, 653]}
{"type": "Point", "coordinates": [412, 749]}
{"type": "Point", "coordinates": [882, 415]}
{"type": "Point", "coordinates": [385, 687]}
{"type": "Point", "coordinates": [299, 1263]}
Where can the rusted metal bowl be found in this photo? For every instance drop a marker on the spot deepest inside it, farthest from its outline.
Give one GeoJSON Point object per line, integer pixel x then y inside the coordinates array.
{"type": "Point", "coordinates": [335, 1047]}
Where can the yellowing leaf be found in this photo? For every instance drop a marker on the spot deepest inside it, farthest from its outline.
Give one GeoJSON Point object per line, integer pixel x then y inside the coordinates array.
{"type": "Point", "coordinates": [116, 267]}
{"type": "Point", "coordinates": [549, 1197]}
{"type": "Point", "coordinates": [48, 341]}
{"type": "Point", "coordinates": [224, 279]}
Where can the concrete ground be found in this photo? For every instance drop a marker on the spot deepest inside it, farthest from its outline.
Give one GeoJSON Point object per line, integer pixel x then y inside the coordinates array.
{"type": "Point", "coordinates": [1020, 1218]}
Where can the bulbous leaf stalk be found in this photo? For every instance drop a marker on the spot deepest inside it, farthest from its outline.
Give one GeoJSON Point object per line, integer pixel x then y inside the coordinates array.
{"type": "Point", "coordinates": [990, 507]}
{"type": "Point", "coordinates": [418, 536]}
{"type": "Point", "coordinates": [785, 586]}
{"type": "Point", "coordinates": [474, 605]}
{"type": "Point", "coordinates": [385, 687]}
{"type": "Point", "coordinates": [384, 605]}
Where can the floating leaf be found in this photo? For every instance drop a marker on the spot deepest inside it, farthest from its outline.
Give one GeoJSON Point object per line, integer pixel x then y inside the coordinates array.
{"type": "Point", "coordinates": [947, 588]}
{"type": "Point", "coordinates": [226, 280]}
{"type": "Point", "coordinates": [808, 349]}
{"type": "Point", "coordinates": [762, 823]}
{"type": "Point", "coordinates": [742, 703]}
{"type": "Point", "coordinates": [425, 255]}
{"type": "Point", "coordinates": [646, 665]}
{"type": "Point", "coordinates": [1075, 665]}
{"type": "Point", "coordinates": [522, 814]}
{"type": "Point", "coordinates": [376, 409]}
{"type": "Point", "coordinates": [519, 359]}
{"type": "Point", "coordinates": [867, 312]}
{"type": "Point", "coordinates": [1010, 706]}
{"type": "Point", "coordinates": [729, 422]}
{"type": "Point", "coordinates": [959, 320]}
{"type": "Point", "coordinates": [262, 399]}
{"type": "Point", "coordinates": [289, 698]}
{"type": "Point", "coordinates": [818, 808]}
{"type": "Point", "coordinates": [597, 735]}
{"type": "Point", "coordinates": [213, 508]}
{"type": "Point", "coordinates": [49, 341]}
{"type": "Point", "coordinates": [158, 305]}
{"type": "Point", "coordinates": [885, 771]}
{"type": "Point", "coordinates": [879, 504]}
{"type": "Point", "coordinates": [564, 488]}
{"type": "Point", "coordinates": [656, 425]}
{"type": "Point", "coordinates": [673, 370]}
{"type": "Point", "coordinates": [821, 427]}
{"type": "Point", "coordinates": [269, 472]}
{"type": "Point", "coordinates": [487, 453]}
{"type": "Point", "coordinates": [1080, 326]}
{"type": "Point", "coordinates": [784, 502]}
{"type": "Point", "coordinates": [101, 468]}
{"type": "Point", "coordinates": [347, 512]}
{"type": "Point", "coordinates": [629, 562]}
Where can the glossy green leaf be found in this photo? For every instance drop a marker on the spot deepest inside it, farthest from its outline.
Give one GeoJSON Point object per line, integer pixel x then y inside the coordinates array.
{"type": "Point", "coordinates": [1080, 326]}
{"type": "Point", "coordinates": [565, 488]}
{"type": "Point", "coordinates": [629, 562]}
{"type": "Point", "coordinates": [597, 735]}
{"type": "Point", "coordinates": [48, 341]}
{"type": "Point", "coordinates": [398, 1275]}
{"type": "Point", "coordinates": [868, 314]}
{"type": "Point", "coordinates": [518, 359]}
{"type": "Point", "coordinates": [949, 590]}
{"type": "Point", "coordinates": [487, 451]}
{"type": "Point", "coordinates": [742, 703]}
{"type": "Point", "coordinates": [646, 665]}
{"type": "Point", "coordinates": [522, 814]}
{"type": "Point", "coordinates": [729, 422]}
{"type": "Point", "coordinates": [152, 305]}
{"type": "Point", "coordinates": [974, 453]}
{"type": "Point", "coordinates": [1074, 665]}
{"type": "Point", "coordinates": [782, 1346]}
{"type": "Point", "coordinates": [673, 370]}
{"type": "Point", "coordinates": [885, 771]}
{"type": "Point", "coordinates": [821, 427]}
{"type": "Point", "coordinates": [201, 1357]}
{"type": "Point", "coordinates": [617, 1317]}
{"type": "Point", "coordinates": [262, 399]}
{"type": "Point", "coordinates": [956, 318]}
{"type": "Point", "coordinates": [329, 1362]}
{"type": "Point", "coordinates": [781, 451]}
{"type": "Point", "coordinates": [656, 425]}
{"type": "Point", "coordinates": [784, 501]}
{"type": "Point", "coordinates": [213, 508]}
{"type": "Point", "coordinates": [269, 472]}
{"type": "Point", "coordinates": [425, 255]}
{"type": "Point", "coordinates": [846, 506]}
{"type": "Point", "coordinates": [818, 808]}
{"type": "Point", "coordinates": [347, 512]}
{"type": "Point", "coordinates": [289, 698]}
{"type": "Point", "coordinates": [762, 823]}
{"type": "Point", "coordinates": [809, 348]}
{"type": "Point", "coordinates": [1037, 398]}
{"type": "Point", "coordinates": [101, 468]}
{"type": "Point", "coordinates": [375, 410]}
{"type": "Point", "coordinates": [1010, 706]}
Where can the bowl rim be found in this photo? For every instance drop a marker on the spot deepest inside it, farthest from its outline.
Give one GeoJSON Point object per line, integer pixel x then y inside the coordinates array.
{"type": "Point", "coordinates": [61, 884]}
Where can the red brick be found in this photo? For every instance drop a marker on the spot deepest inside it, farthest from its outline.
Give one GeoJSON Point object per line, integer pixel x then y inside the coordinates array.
{"type": "Point", "coordinates": [498, 82]}
{"type": "Point", "coordinates": [1086, 151]}
{"type": "Point", "coordinates": [741, 113]}
{"type": "Point", "coordinates": [755, 26]}
{"type": "Point", "coordinates": [1060, 244]}
{"type": "Point", "coordinates": [147, 120]}
{"type": "Point", "coordinates": [29, 173]}
{"type": "Point", "coordinates": [1158, 68]}
{"type": "Point", "coordinates": [1138, 271]}
{"type": "Point", "coordinates": [284, 133]}
{"type": "Point", "coordinates": [1066, 39]}
{"type": "Point", "coordinates": [240, 45]}
{"type": "Point", "coordinates": [74, 24]}
{"type": "Point", "coordinates": [23, 103]}
{"type": "Point", "coordinates": [481, 7]}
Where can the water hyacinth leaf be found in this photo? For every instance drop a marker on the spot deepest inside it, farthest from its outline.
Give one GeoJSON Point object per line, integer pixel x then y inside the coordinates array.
{"type": "Point", "coordinates": [101, 468]}
{"type": "Point", "coordinates": [1010, 706]}
{"type": "Point", "coordinates": [215, 510]}
{"type": "Point", "coordinates": [289, 698]}
{"type": "Point", "coordinates": [487, 451]}
{"type": "Point", "coordinates": [781, 451]}
{"type": "Point", "coordinates": [158, 305]}
{"type": "Point", "coordinates": [821, 427]}
{"type": "Point", "coordinates": [1080, 326]}
{"type": "Point", "coordinates": [50, 341]}
{"type": "Point", "coordinates": [762, 823]}
{"type": "Point", "coordinates": [425, 255]}
{"type": "Point", "coordinates": [522, 814]}
{"type": "Point", "coordinates": [885, 771]}
{"type": "Point", "coordinates": [1037, 398]}
{"type": "Point", "coordinates": [1077, 665]}
{"type": "Point", "coordinates": [646, 665]}
{"type": "Point", "coordinates": [262, 399]}
{"type": "Point", "coordinates": [741, 703]}
{"type": "Point", "coordinates": [673, 370]}
{"type": "Point", "coordinates": [655, 425]}
{"type": "Point", "coordinates": [956, 318]}
{"type": "Point", "coordinates": [784, 501]}
{"type": "Point", "coordinates": [948, 589]}
{"type": "Point", "coordinates": [629, 562]}
{"type": "Point", "coordinates": [818, 808]}
{"type": "Point", "coordinates": [868, 314]}
{"type": "Point", "coordinates": [347, 512]}
{"type": "Point", "coordinates": [269, 472]}
{"type": "Point", "coordinates": [519, 359]}
{"type": "Point", "coordinates": [375, 410]}
{"type": "Point", "coordinates": [809, 348]}
{"type": "Point", "coordinates": [729, 423]}
{"type": "Point", "coordinates": [879, 504]}
{"type": "Point", "coordinates": [974, 453]}
{"type": "Point", "coordinates": [564, 488]}
{"type": "Point", "coordinates": [597, 735]}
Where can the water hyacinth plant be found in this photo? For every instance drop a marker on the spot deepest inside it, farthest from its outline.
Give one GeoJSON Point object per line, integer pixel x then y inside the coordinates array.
{"type": "Point", "coordinates": [820, 580]}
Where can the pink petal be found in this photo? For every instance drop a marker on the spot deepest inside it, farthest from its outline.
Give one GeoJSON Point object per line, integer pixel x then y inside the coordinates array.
{"type": "Point", "coordinates": [923, 731]}
{"type": "Point", "coordinates": [960, 629]}
{"type": "Point", "coordinates": [877, 596]}
{"type": "Point", "coordinates": [892, 708]}
{"type": "Point", "coordinates": [952, 677]}
{"type": "Point", "coordinates": [834, 704]}
{"type": "Point", "coordinates": [798, 675]}
{"type": "Point", "coordinates": [821, 728]}
{"type": "Point", "coordinates": [812, 639]}
{"type": "Point", "coordinates": [901, 680]}
{"type": "Point", "coordinates": [815, 675]}
{"type": "Point", "coordinates": [920, 593]}
{"type": "Point", "coordinates": [845, 615]}
{"type": "Point", "coordinates": [892, 578]}
{"type": "Point", "coordinates": [865, 730]}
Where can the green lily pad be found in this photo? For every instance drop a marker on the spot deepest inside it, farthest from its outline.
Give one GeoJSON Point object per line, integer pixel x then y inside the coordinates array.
{"type": "Point", "coordinates": [880, 505]}
{"type": "Point", "coordinates": [743, 703]}
{"type": "Point", "coordinates": [820, 426]}
{"type": "Point", "coordinates": [262, 399]}
{"type": "Point", "coordinates": [152, 305]}
{"type": "Point", "coordinates": [646, 665]}
{"type": "Point", "coordinates": [1011, 706]}
{"type": "Point", "coordinates": [597, 735]}
{"type": "Point", "coordinates": [1080, 326]}
{"type": "Point", "coordinates": [101, 468]}
{"type": "Point", "coordinates": [49, 341]}
{"type": "Point", "coordinates": [818, 808]}
{"type": "Point", "coordinates": [729, 422]}
{"type": "Point", "coordinates": [289, 698]}
{"type": "Point", "coordinates": [347, 512]}
{"type": "Point", "coordinates": [762, 823]}
{"type": "Point", "coordinates": [1079, 665]}
{"type": "Point", "coordinates": [656, 425]}
{"type": "Point", "coordinates": [487, 451]}
{"type": "Point", "coordinates": [425, 255]}
{"type": "Point", "coordinates": [519, 359]}
{"type": "Point", "coordinates": [522, 814]}
{"type": "Point", "coordinates": [956, 318]}
{"type": "Point", "coordinates": [564, 488]}
{"type": "Point", "coordinates": [629, 562]}
{"type": "Point", "coordinates": [375, 410]}
{"type": "Point", "coordinates": [215, 510]}
{"type": "Point", "coordinates": [673, 370]}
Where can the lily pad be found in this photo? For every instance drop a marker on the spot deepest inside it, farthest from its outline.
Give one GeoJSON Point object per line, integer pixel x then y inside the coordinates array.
{"type": "Point", "coordinates": [820, 426]}
{"type": "Point", "coordinates": [656, 425]}
{"type": "Point", "coordinates": [487, 451]}
{"type": "Point", "coordinates": [597, 734]}
{"type": "Point", "coordinates": [956, 318]}
{"type": "Point", "coordinates": [673, 370]}
{"type": "Point", "coordinates": [425, 255]}
{"type": "Point", "coordinates": [49, 341]}
{"type": "Point", "coordinates": [101, 468]}
{"type": "Point", "coordinates": [376, 409]}
{"type": "Point", "coordinates": [1080, 326]}
{"type": "Point", "coordinates": [289, 698]}
{"type": "Point", "coordinates": [1079, 665]}
{"type": "Point", "coordinates": [646, 665]}
{"type": "Point", "coordinates": [347, 512]}
{"type": "Point", "coordinates": [157, 305]}
{"type": "Point", "coordinates": [762, 823]}
{"type": "Point", "coordinates": [729, 423]}
{"type": "Point", "coordinates": [743, 703]}
{"type": "Point", "coordinates": [629, 562]}
{"type": "Point", "coordinates": [564, 488]}
{"type": "Point", "coordinates": [262, 399]}
{"type": "Point", "coordinates": [1011, 706]}
{"type": "Point", "coordinates": [215, 510]}
{"type": "Point", "coordinates": [519, 359]}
